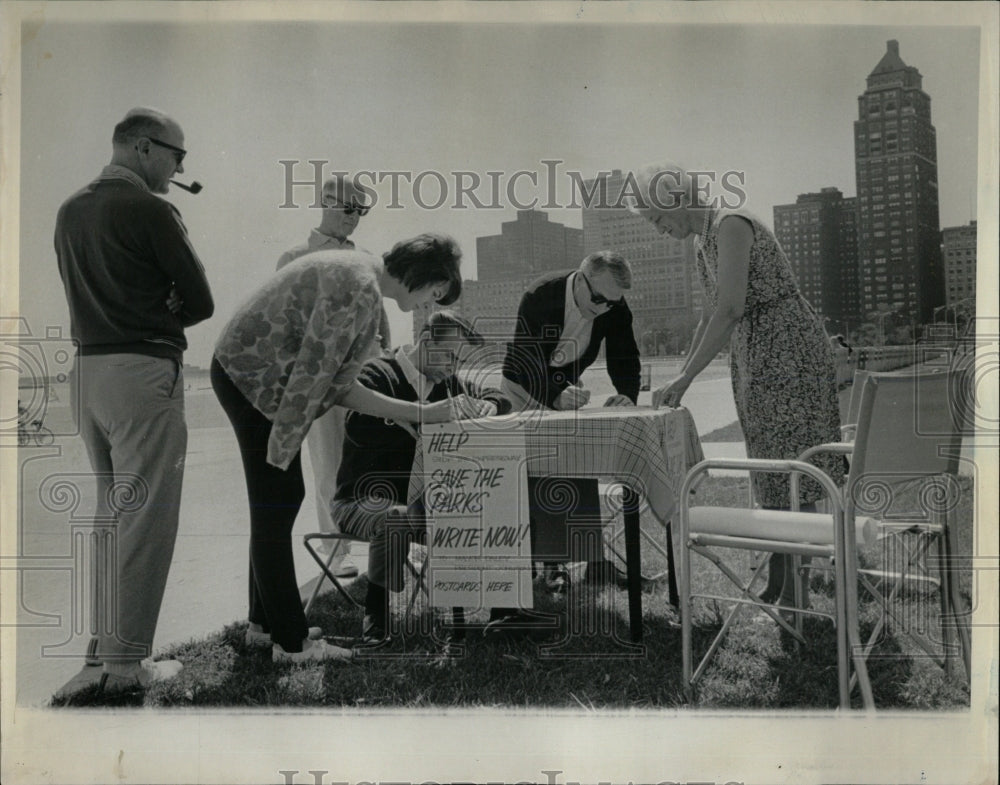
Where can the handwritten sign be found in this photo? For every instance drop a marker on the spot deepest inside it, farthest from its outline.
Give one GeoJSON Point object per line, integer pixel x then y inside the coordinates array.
{"type": "Point", "coordinates": [475, 493]}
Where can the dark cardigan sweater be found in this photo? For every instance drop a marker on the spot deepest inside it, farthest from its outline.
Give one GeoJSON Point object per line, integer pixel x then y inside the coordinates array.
{"type": "Point", "coordinates": [540, 320]}
{"type": "Point", "coordinates": [120, 250]}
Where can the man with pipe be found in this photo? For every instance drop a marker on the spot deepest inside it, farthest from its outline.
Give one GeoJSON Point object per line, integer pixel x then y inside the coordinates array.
{"type": "Point", "coordinates": [133, 283]}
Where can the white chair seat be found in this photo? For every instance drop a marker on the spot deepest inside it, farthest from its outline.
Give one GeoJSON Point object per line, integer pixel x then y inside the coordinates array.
{"type": "Point", "coordinates": [794, 527]}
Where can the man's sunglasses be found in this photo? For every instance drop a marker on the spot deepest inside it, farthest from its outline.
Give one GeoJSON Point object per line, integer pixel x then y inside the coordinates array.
{"type": "Point", "coordinates": [600, 299]}
{"type": "Point", "coordinates": [349, 209]}
{"type": "Point", "coordinates": [179, 152]}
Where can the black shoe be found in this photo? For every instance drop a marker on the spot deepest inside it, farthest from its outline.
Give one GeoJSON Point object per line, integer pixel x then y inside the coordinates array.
{"type": "Point", "coordinates": [373, 630]}
{"type": "Point", "coordinates": [508, 624]}
{"type": "Point", "coordinates": [604, 573]}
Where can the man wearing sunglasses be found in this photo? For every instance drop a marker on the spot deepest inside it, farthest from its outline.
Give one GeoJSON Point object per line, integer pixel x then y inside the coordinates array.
{"type": "Point", "coordinates": [133, 283]}
{"type": "Point", "coordinates": [562, 322]}
{"type": "Point", "coordinates": [344, 205]}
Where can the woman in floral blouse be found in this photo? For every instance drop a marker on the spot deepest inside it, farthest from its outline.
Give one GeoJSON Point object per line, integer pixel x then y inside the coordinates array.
{"type": "Point", "coordinates": [291, 352]}
{"type": "Point", "coordinates": [783, 374]}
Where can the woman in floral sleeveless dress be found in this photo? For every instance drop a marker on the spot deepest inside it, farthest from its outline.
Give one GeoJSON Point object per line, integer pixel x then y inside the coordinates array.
{"type": "Point", "coordinates": [783, 373]}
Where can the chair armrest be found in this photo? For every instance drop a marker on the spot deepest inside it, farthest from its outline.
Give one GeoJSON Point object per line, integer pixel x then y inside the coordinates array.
{"type": "Point", "coordinates": [837, 448]}
{"type": "Point", "coordinates": [793, 467]}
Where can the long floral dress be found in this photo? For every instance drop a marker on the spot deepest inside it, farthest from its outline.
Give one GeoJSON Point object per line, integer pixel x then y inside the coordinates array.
{"type": "Point", "coordinates": [784, 379]}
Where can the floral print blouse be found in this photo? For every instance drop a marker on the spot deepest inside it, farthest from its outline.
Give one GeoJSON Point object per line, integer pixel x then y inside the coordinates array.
{"type": "Point", "coordinates": [296, 346]}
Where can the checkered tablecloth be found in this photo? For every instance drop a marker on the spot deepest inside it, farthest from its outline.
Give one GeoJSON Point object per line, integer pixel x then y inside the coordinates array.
{"type": "Point", "coordinates": [650, 450]}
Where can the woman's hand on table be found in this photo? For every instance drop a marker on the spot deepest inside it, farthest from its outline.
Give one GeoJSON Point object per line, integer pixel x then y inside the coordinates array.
{"type": "Point", "coordinates": [619, 400]}
{"type": "Point", "coordinates": [472, 408]}
{"type": "Point", "coordinates": [671, 393]}
{"type": "Point", "coordinates": [439, 411]}
{"type": "Point", "coordinates": [487, 408]}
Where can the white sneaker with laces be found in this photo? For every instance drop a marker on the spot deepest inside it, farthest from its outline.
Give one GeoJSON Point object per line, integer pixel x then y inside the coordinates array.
{"type": "Point", "coordinates": [312, 651]}
{"type": "Point", "coordinates": [258, 639]}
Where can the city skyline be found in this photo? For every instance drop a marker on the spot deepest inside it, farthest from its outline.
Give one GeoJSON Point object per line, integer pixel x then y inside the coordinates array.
{"type": "Point", "coordinates": [853, 256]}
{"type": "Point", "coordinates": [589, 109]}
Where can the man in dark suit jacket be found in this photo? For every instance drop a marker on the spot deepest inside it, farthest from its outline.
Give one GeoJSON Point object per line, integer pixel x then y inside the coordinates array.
{"type": "Point", "coordinates": [562, 321]}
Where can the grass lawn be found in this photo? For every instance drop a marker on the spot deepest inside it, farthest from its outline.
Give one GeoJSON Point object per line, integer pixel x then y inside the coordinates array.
{"type": "Point", "coordinates": [587, 666]}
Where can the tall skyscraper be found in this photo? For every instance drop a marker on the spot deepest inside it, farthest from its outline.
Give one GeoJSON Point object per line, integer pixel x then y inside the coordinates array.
{"type": "Point", "coordinates": [819, 236]}
{"type": "Point", "coordinates": [664, 295]}
{"type": "Point", "coordinates": [958, 246]}
{"type": "Point", "coordinates": [895, 154]}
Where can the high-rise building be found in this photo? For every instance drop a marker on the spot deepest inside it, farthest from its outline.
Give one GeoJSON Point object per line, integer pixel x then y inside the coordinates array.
{"type": "Point", "coordinates": [819, 236]}
{"type": "Point", "coordinates": [664, 296]}
{"type": "Point", "coordinates": [506, 263]}
{"type": "Point", "coordinates": [528, 246]}
{"type": "Point", "coordinates": [895, 155]}
{"type": "Point", "coordinates": [958, 247]}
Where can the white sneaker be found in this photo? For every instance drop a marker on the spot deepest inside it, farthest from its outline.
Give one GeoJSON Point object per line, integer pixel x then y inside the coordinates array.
{"type": "Point", "coordinates": [147, 672]}
{"type": "Point", "coordinates": [258, 639]}
{"type": "Point", "coordinates": [312, 651]}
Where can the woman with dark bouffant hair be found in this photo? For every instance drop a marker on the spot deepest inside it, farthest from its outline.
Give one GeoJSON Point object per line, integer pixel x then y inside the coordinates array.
{"type": "Point", "coordinates": [291, 352]}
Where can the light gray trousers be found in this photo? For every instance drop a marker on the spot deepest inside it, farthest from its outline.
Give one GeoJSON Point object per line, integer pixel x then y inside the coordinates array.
{"type": "Point", "coordinates": [130, 412]}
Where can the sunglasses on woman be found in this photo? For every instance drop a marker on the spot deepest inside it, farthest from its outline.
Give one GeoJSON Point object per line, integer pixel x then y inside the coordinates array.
{"type": "Point", "coordinates": [600, 299]}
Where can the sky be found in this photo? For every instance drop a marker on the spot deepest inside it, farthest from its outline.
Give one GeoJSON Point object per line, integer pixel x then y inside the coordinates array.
{"type": "Point", "coordinates": [774, 101]}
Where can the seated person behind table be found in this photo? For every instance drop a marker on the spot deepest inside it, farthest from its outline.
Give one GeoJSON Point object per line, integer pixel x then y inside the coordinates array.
{"type": "Point", "coordinates": [562, 321]}
{"type": "Point", "coordinates": [374, 474]}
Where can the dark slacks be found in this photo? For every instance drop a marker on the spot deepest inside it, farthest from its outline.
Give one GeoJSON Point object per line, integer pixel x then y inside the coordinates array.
{"type": "Point", "coordinates": [566, 523]}
{"type": "Point", "coordinates": [275, 497]}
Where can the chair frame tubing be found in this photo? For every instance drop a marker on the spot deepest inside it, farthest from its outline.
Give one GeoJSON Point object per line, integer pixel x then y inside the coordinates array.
{"type": "Point", "coordinates": [324, 565]}
{"type": "Point", "coordinates": [845, 569]}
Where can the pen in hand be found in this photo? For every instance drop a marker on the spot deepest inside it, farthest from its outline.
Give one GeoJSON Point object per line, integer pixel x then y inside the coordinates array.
{"type": "Point", "coordinates": [455, 413]}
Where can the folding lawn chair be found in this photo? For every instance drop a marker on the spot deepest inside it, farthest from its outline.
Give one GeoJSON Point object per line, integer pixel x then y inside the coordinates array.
{"type": "Point", "coordinates": [905, 436]}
